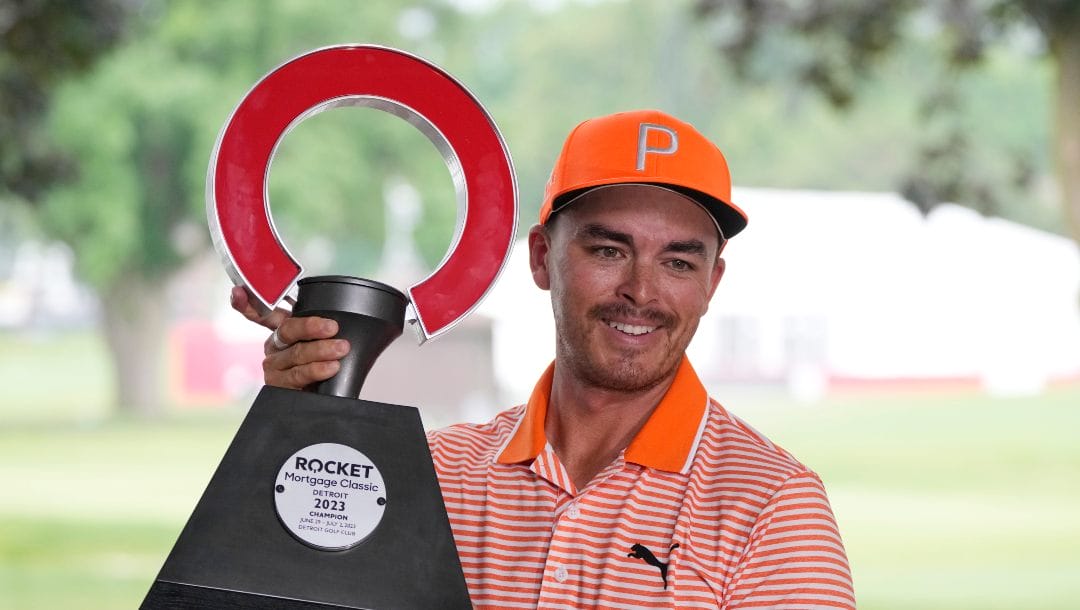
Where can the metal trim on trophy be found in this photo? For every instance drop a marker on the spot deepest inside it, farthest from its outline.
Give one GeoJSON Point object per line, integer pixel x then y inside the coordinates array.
{"type": "Point", "coordinates": [324, 500]}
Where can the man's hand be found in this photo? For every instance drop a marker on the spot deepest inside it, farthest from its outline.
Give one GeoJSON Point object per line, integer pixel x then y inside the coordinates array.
{"type": "Point", "coordinates": [301, 351]}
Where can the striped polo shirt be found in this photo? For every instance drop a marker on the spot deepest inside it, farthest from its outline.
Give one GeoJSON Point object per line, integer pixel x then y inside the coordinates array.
{"type": "Point", "coordinates": [699, 511]}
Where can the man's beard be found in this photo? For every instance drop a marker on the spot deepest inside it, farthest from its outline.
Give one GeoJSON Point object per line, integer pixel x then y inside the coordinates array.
{"type": "Point", "coordinates": [627, 374]}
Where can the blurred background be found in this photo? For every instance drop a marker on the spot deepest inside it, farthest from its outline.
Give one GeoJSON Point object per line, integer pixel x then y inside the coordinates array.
{"type": "Point", "coordinates": [903, 312]}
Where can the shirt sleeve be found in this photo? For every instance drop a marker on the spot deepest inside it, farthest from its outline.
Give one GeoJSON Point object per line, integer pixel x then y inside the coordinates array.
{"type": "Point", "coordinates": [794, 558]}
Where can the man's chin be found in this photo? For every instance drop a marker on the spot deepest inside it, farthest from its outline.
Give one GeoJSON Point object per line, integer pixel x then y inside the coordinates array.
{"type": "Point", "coordinates": [616, 368]}
{"type": "Point", "coordinates": [628, 377]}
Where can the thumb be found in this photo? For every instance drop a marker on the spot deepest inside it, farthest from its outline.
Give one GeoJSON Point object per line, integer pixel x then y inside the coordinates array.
{"type": "Point", "coordinates": [241, 300]}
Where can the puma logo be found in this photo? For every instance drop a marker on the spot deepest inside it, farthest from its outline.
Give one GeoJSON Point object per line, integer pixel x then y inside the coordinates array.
{"type": "Point", "coordinates": [640, 552]}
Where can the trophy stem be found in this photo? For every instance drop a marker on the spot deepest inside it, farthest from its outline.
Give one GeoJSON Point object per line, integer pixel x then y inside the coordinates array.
{"type": "Point", "coordinates": [370, 315]}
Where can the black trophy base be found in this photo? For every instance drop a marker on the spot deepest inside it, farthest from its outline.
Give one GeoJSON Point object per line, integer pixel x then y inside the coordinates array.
{"type": "Point", "coordinates": [234, 551]}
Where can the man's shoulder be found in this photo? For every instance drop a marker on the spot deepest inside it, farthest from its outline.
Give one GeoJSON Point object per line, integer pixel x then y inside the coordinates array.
{"type": "Point", "coordinates": [729, 443]}
{"type": "Point", "coordinates": [475, 441]}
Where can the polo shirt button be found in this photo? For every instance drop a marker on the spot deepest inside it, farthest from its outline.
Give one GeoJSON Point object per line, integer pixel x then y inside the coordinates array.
{"type": "Point", "coordinates": [573, 511]}
{"type": "Point", "coordinates": [561, 574]}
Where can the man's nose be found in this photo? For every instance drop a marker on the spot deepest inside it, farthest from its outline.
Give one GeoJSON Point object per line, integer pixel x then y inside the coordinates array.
{"type": "Point", "coordinates": [638, 282]}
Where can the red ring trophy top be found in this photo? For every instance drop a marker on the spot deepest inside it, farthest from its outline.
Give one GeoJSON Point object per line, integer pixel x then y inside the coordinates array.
{"type": "Point", "coordinates": [238, 207]}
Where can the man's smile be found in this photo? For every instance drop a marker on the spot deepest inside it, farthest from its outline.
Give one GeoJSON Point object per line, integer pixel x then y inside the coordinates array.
{"type": "Point", "coordinates": [630, 329]}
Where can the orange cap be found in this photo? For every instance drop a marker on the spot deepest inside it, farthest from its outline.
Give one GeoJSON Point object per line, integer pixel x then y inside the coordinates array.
{"type": "Point", "coordinates": [644, 147]}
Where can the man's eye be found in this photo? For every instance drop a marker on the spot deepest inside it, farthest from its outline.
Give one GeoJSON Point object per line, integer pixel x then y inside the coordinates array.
{"type": "Point", "coordinates": [607, 252]}
{"type": "Point", "coordinates": [681, 265]}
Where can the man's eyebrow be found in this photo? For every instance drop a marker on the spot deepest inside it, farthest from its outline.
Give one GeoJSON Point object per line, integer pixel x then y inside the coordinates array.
{"type": "Point", "coordinates": [598, 231]}
{"type": "Point", "coordinates": [688, 246]}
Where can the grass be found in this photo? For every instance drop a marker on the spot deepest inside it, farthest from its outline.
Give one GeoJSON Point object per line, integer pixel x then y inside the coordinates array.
{"type": "Point", "coordinates": [45, 377]}
{"type": "Point", "coordinates": [79, 563]}
{"type": "Point", "coordinates": [949, 502]}
{"type": "Point", "coordinates": [945, 502]}
{"type": "Point", "coordinates": [90, 512]}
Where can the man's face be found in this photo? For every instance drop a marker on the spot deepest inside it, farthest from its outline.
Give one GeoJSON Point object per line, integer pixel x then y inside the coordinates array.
{"type": "Point", "coordinates": [631, 270]}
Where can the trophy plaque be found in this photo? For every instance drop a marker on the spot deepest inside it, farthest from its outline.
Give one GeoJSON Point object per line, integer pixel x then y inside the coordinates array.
{"type": "Point", "coordinates": [323, 500]}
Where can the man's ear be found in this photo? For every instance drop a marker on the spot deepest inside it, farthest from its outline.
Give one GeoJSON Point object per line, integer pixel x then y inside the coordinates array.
{"type": "Point", "coordinates": [539, 247]}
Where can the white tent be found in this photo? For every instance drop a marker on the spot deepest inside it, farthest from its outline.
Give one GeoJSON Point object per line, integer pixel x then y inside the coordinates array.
{"type": "Point", "coordinates": [828, 285]}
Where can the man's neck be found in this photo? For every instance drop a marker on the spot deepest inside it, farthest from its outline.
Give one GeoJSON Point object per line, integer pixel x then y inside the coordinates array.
{"type": "Point", "coordinates": [588, 426]}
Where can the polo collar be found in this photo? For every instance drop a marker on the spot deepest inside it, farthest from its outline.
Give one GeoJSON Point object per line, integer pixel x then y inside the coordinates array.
{"type": "Point", "coordinates": [667, 441]}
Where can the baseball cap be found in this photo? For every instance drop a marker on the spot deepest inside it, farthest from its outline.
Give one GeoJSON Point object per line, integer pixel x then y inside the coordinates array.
{"type": "Point", "coordinates": [644, 147]}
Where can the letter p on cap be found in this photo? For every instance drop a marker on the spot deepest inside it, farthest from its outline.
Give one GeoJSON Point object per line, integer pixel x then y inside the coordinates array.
{"type": "Point", "coordinates": [643, 142]}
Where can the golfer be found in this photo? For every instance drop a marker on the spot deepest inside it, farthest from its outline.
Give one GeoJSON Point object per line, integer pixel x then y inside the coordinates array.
{"type": "Point", "coordinates": [620, 482]}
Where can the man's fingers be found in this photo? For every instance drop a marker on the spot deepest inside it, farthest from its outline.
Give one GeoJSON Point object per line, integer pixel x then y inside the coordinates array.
{"type": "Point", "coordinates": [301, 351]}
{"type": "Point", "coordinates": [295, 330]}
{"type": "Point", "coordinates": [304, 363]}
{"type": "Point", "coordinates": [300, 377]}
{"type": "Point", "coordinates": [306, 352]}
{"type": "Point", "coordinates": [292, 331]}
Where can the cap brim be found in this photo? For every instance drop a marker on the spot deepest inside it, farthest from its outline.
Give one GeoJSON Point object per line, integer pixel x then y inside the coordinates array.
{"type": "Point", "coordinates": [728, 216]}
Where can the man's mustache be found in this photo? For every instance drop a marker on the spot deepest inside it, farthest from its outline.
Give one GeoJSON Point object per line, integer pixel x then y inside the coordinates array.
{"type": "Point", "coordinates": [613, 310]}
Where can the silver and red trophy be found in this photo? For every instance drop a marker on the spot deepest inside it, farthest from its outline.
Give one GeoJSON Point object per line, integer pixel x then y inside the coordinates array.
{"type": "Point", "coordinates": [324, 500]}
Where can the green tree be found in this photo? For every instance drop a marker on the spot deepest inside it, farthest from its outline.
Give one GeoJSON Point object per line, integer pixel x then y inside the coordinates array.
{"type": "Point", "coordinates": [835, 46]}
{"type": "Point", "coordinates": [41, 43]}
{"type": "Point", "coordinates": [141, 125]}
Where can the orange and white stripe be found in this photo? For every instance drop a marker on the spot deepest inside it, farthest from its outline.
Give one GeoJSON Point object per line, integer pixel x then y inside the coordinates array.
{"type": "Point", "coordinates": [752, 525]}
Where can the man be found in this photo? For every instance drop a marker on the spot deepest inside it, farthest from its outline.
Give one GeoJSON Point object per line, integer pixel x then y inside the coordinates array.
{"type": "Point", "coordinates": [620, 483]}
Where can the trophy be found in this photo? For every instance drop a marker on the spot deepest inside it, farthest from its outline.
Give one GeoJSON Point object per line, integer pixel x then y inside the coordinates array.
{"type": "Point", "coordinates": [323, 500]}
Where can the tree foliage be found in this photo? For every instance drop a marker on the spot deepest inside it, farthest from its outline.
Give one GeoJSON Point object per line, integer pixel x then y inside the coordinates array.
{"type": "Point", "coordinates": [835, 47]}
{"type": "Point", "coordinates": [41, 43]}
